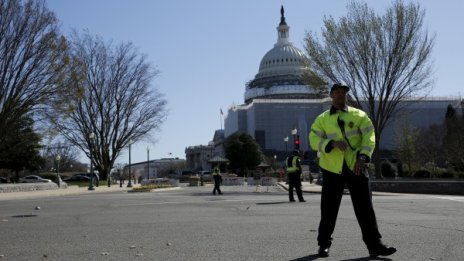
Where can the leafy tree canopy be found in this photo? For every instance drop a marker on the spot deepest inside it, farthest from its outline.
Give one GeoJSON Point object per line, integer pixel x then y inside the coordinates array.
{"type": "Point", "coordinates": [243, 152]}
{"type": "Point", "coordinates": [21, 149]}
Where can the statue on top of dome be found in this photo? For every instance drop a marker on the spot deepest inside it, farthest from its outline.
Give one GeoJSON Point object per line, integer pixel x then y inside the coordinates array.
{"type": "Point", "coordinates": [282, 18]}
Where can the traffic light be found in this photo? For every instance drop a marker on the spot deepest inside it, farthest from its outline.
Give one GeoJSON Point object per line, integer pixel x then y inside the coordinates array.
{"type": "Point", "coordinates": [297, 142]}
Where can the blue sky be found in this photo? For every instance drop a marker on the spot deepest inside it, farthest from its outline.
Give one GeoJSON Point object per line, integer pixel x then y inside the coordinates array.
{"type": "Point", "coordinates": [206, 50]}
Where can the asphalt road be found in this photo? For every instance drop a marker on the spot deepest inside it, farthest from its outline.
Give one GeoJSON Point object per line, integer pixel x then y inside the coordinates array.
{"type": "Point", "coordinates": [242, 224]}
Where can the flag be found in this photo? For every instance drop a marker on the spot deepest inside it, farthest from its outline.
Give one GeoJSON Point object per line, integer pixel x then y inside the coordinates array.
{"type": "Point", "coordinates": [221, 111]}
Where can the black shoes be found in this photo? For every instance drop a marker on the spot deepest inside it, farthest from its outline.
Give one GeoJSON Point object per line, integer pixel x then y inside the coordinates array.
{"type": "Point", "coordinates": [323, 252]}
{"type": "Point", "coordinates": [374, 251]}
{"type": "Point", "coordinates": [292, 200]}
{"type": "Point", "coordinates": [380, 250]}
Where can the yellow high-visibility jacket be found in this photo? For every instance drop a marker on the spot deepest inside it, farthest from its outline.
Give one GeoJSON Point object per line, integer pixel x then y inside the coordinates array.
{"type": "Point", "coordinates": [358, 130]}
{"type": "Point", "coordinates": [294, 166]}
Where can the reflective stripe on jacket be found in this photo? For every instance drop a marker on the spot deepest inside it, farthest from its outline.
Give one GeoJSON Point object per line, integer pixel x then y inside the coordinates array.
{"type": "Point", "coordinates": [358, 130]}
{"type": "Point", "coordinates": [294, 166]}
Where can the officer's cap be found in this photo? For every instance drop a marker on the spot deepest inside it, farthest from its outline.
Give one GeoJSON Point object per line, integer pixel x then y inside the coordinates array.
{"type": "Point", "coordinates": [338, 86]}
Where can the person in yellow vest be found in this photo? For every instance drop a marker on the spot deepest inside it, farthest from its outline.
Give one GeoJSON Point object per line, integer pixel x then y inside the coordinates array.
{"type": "Point", "coordinates": [217, 180]}
{"type": "Point", "coordinates": [344, 138]}
{"type": "Point", "coordinates": [293, 167]}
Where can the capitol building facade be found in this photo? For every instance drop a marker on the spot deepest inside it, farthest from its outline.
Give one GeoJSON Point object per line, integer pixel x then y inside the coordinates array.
{"type": "Point", "coordinates": [277, 101]}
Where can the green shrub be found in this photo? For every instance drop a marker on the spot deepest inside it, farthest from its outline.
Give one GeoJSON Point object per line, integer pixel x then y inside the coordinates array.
{"type": "Point", "coordinates": [149, 187]}
{"type": "Point", "coordinates": [400, 171]}
{"type": "Point", "coordinates": [388, 169]}
{"type": "Point", "coordinates": [447, 174]}
{"type": "Point", "coordinates": [405, 174]}
{"type": "Point", "coordinates": [48, 175]}
{"type": "Point", "coordinates": [422, 174]}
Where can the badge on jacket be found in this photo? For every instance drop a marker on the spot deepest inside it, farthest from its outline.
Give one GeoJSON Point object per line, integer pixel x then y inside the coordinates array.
{"type": "Point", "coordinates": [351, 124]}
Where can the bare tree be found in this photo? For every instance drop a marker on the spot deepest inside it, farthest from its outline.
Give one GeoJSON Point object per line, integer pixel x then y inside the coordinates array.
{"type": "Point", "coordinates": [64, 154]}
{"type": "Point", "coordinates": [430, 150]}
{"type": "Point", "coordinates": [384, 59]}
{"type": "Point", "coordinates": [406, 137]}
{"type": "Point", "coordinates": [110, 96]}
{"type": "Point", "coordinates": [32, 58]}
{"type": "Point", "coordinates": [453, 142]}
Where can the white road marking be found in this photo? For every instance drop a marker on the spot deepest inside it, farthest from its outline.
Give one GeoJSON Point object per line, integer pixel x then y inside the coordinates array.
{"type": "Point", "coordinates": [209, 201]}
{"type": "Point", "coordinates": [453, 198]}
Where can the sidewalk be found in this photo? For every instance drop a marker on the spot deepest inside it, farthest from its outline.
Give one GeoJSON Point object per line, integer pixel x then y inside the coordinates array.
{"type": "Point", "coordinates": [71, 190]}
{"type": "Point", "coordinates": [306, 187]}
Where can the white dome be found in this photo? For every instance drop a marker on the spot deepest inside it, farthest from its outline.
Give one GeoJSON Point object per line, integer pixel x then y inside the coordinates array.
{"type": "Point", "coordinates": [281, 70]}
{"type": "Point", "coordinates": [283, 59]}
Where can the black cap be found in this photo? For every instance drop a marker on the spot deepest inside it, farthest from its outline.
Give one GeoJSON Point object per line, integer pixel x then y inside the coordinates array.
{"type": "Point", "coordinates": [339, 85]}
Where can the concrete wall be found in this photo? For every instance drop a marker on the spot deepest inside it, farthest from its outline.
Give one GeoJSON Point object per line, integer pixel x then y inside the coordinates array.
{"type": "Point", "coordinates": [28, 187]}
{"type": "Point", "coordinates": [446, 187]}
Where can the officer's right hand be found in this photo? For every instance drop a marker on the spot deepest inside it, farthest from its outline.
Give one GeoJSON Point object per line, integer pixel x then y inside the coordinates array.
{"type": "Point", "coordinates": [341, 145]}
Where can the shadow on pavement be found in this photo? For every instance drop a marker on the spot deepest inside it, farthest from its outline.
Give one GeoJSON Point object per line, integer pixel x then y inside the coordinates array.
{"type": "Point", "coordinates": [306, 258]}
{"type": "Point", "coordinates": [315, 257]}
{"type": "Point", "coordinates": [271, 203]}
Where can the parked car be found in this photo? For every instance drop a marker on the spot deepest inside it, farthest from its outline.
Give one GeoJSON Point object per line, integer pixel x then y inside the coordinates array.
{"type": "Point", "coordinates": [77, 177]}
{"type": "Point", "coordinates": [88, 175]}
{"type": "Point", "coordinates": [33, 179]}
{"type": "Point", "coordinates": [3, 180]}
{"type": "Point", "coordinates": [186, 173]}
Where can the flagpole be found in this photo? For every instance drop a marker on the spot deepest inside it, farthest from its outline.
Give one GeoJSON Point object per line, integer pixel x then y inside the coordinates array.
{"type": "Point", "coordinates": [220, 116]}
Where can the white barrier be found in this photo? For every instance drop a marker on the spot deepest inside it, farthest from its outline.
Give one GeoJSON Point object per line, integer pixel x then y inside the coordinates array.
{"type": "Point", "coordinates": [263, 181]}
{"type": "Point", "coordinates": [251, 181]}
{"type": "Point", "coordinates": [174, 182]}
{"type": "Point", "coordinates": [233, 181]}
{"type": "Point", "coordinates": [268, 181]}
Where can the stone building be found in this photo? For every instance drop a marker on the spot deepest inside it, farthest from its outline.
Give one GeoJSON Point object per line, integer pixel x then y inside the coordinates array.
{"type": "Point", "coordinates": [278, 103]}
{"type": "Point", "coordinates": [158, 168]}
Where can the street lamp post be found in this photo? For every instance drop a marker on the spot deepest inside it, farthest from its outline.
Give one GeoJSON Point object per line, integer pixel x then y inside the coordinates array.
{"type": "Point", "coordinates": [294, 132]}
{"type": "Point", "coordinates": [120, 178]}
{"type": "Point", "coordinates": [286, 142]}
{"type": "Point", "coordinates": [211, 147]}
{"type": "Point", "coordinates": [91, 137]}
{"type": "Point", "coordinates": [58, 178]}
{"type": "Point", "coordinates": [129, 185]}
{"type": "Point", "coordinates": [148, 163]}
{"type": "Point", "coordinates": [108, 180]}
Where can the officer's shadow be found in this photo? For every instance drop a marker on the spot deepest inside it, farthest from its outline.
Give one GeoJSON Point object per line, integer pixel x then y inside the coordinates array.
{"type": "Point", "coordinates": [316, 257]}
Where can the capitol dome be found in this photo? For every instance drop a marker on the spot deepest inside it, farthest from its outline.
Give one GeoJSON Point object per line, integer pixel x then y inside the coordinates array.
{"type": "Point", "coordinates": [281, 70]}
{"type": "Point", "coordinates": [283, 59]}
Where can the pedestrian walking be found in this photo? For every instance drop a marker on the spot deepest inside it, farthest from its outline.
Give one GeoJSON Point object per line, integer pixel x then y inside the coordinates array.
{"type": "Point", "coordinates": [217, 180]}
{"type": "Point", "coordinates": [293, 167]}
{"type": "Point", "coordinates": [344, 138]}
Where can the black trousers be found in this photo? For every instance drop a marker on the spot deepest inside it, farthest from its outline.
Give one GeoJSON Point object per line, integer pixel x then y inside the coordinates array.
{"type": "Point", "coordinates": [332, 192]}
{"type": "Point", "coordinates": [217, 184]}
{"type": "Point", "coordinates": [294, 181]}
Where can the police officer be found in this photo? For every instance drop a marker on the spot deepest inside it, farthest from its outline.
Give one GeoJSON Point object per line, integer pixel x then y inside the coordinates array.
{"type": "Point", "coordinates": [294, 176]}
{"type": "Point", "coordinates": [344, 138]}
{"type": "Point", "coordinates": [217, 180]}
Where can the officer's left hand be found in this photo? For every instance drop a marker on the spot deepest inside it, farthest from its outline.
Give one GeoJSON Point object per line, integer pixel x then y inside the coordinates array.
{"type": "Point", "coordinates": [359, 167]}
